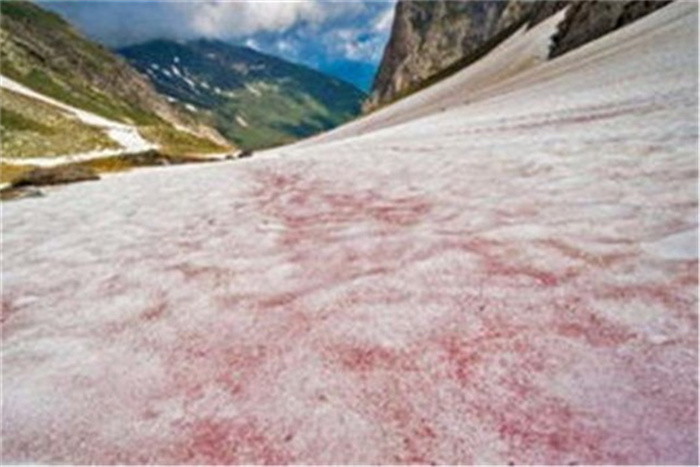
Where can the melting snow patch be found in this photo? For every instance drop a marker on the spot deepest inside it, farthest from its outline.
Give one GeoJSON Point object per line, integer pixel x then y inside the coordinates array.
{"type": "Point", "coordinates": [167, 73]}
{"type": "Point", "coordinates": [126, 136]}
{"type": "Point", "coordinates": [191, 83]}
{"type": "Point", "coordinates": [680, 246]}
{"type": "Point", "coordinates": [241, 121]}
{"type": "Point", "coordinates": [253, 90]}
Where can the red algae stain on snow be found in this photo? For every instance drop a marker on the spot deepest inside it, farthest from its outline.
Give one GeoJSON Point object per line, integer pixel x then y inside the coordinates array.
{"type": "Point", "coordinates": [498, 368]}
{"type": "Point", "coordinates": [226, 442]}
{"type": "Point", "coordinates": [411, 435]}
{"type": "Point", "coordinates": [197, 363]}
{"type": "Point", "coordinates": [465, 355]}
{"type": "Point", "coordinates": [575, 321]}
{"type": "Point", "coordinates": [361, 359]}
{"type": "Point", "coordinates": [543, 429]}
{"type": "Point", "coordinates": [401, 212]}
{"type": "Point", "coordinates": [314, 204]}
{"type": "Point", "coordinates": [579, 254]}
{"type": "Point", "coordinates": [662, 294]}
{"type": "Point", "coordinates": [498, 264]}
{"type": "Point", "coordinates": [419, 439]}
{"type": "Point", "coordinates": [385, 382]}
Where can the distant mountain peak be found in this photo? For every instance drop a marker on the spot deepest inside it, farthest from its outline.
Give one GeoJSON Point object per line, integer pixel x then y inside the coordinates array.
{"type": "Point", "coordinates": [227, 84]}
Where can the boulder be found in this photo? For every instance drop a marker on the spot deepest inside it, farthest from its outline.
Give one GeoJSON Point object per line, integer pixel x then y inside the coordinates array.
{"type": "Point", "coordinates": [55, 176]}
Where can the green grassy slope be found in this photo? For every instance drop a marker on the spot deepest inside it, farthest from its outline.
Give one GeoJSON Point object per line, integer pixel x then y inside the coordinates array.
{"type": "Point", "coordinates": [30, 128]}
{"type": "Point", "coordinates": [42, 51]}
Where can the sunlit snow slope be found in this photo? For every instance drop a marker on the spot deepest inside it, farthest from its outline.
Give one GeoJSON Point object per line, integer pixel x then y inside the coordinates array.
{"type": "Point", "coordinates": [511, 280]}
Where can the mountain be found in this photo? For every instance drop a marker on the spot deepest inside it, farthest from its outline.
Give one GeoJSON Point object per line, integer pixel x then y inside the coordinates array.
{"type": "Point", "coordinates": [42, 52]}
{"type": "Point", "coordinates": [254, 99]}
{"type": "Point", "coordinates": [432, 39]}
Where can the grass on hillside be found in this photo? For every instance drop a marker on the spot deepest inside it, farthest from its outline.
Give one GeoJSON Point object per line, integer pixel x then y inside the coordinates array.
{"type": "Point", "coordinates": [274, 118]}
{"type": "Point", "coordinates": [30, 128]}
{"type": "Point", "coordinates": [24, 21]}
{"type": "Point", "coordinates": [180, 143]}
{"type": "Point", "coordinates": [81, 98]}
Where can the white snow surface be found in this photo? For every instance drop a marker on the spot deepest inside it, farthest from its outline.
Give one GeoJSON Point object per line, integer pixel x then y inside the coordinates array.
{"type": "Point", "coordinates": [506, 277]}
{"type": "Point", "coordinates": [126, 136]}
{"type": "Point", "coordinates": [253, 90]}
{"type": "Point", "coordinates": [190, 83]}
{"type": "Point", "coordinates": [242, 121]}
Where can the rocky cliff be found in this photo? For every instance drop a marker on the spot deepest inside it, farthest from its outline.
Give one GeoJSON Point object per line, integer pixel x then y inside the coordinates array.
{"type": "Point", "coordinates": [429, 37]}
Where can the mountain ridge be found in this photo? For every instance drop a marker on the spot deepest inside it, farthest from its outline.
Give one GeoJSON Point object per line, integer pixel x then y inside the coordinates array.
{"type": "Point", "coordinates": [43, 52]}
{"type": "Point", "coordinates": [255, 99]}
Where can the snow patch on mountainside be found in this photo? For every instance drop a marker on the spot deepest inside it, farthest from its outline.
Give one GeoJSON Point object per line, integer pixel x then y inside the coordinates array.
{"type": "Point", "coordinates": [242, 121]}
{"type": "Point", "coordinates": [126, 136]}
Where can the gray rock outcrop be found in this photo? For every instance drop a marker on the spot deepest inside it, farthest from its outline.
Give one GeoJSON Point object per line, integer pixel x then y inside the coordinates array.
{"type": "Point", "coordinates": [429, 37]}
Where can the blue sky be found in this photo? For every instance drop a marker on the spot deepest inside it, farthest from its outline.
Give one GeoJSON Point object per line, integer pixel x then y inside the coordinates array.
{"type": "Point", "coordinates": [343, 38]}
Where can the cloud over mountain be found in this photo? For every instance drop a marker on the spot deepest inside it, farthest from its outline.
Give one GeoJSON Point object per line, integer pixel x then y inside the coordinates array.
{"type": "Point", "coordinates": [318, 33]}
{"type": "Point", "coordinates": [118, 23]}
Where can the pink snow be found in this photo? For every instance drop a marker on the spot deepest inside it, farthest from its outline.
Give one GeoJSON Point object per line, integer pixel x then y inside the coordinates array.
{"type": "Point", "coordinates": [512, 279]}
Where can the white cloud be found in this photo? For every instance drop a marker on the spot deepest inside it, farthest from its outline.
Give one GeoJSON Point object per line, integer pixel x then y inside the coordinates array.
{"type": "Point", "coordinates": [124, 22]}
{"type": "Point", "coordinates": [383, 22]}
{"type": "Point", "coordinates": [287, 48]}
{"type": "Point", "coordinates": [355, 30]}
{"type": "Point", "coordinates": [252, 43]}
{"type": "Point", "coordinates": [357, 44]}
{"type": "Point", "coordinates": [236, 19]}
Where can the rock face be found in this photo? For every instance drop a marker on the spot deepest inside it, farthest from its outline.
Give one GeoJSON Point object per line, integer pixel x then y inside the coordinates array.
{"type": "Point", "coordinates": [56, 176]}
{"type": "Point", "coordinates": [431, 36]}
{"type": "Point", "coordinates": [588, 20]}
